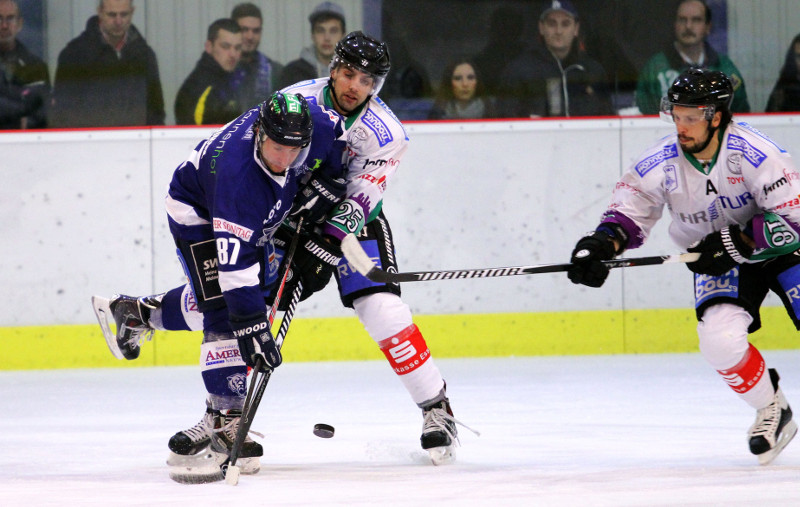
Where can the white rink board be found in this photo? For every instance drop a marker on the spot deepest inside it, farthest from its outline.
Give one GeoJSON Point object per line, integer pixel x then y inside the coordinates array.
{"type": "Point", "coordinates": [83, 214]}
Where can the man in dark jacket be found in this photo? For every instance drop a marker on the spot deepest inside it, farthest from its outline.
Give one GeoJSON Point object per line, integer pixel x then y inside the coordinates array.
{"type": "Point", "coordinates": [257, 75]}
{"type": "Point", "coordinates": [24, 80]}
{"type": "Point", "coordinates": [555, 78]}
{"type": "Point", "coordinates": [327, 29]}
{"type": "Point", "coordinates": [208, 95]}
{"type": "Point", "coordinates": [108, 75]}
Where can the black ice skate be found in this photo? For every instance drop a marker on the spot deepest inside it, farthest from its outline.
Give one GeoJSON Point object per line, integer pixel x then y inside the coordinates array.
{"type": "Point", "coordinates": [196, 438]}
{"type": "Point", "coordinates": [131, 316]}
{"type": "Point", "coordinates": [224, 434]}
{"type": "Point", "coordinates": [218, 431]}
{"type": "Point", "coordinates": [439, 433]}
{"type": "Point", "coordinates": [774, 427]}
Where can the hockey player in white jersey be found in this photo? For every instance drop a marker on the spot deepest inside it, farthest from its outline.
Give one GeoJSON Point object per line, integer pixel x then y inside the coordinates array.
{"type": "Point", "coordinates": [734, 197]}
{"type": "Point", "coordinates": [376, 141]}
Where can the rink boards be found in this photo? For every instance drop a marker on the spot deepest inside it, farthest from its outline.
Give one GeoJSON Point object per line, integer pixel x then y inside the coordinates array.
{"type": "Point", "coordinates": [84, 215]}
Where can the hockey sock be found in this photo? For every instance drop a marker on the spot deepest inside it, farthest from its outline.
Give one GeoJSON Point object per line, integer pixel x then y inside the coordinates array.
{"type": "Point", "coordinates": [411, 359]}
{"type": "Point", "coordinates": [749, 380]}
{"type": "Point", "coordinates": [179, 311]}
{"type": "Point", "coordinates": [224, 373]}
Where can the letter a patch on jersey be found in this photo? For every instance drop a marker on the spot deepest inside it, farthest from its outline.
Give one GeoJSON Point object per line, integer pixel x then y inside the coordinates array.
{"type": "Point", "coordinates": [406, 351]}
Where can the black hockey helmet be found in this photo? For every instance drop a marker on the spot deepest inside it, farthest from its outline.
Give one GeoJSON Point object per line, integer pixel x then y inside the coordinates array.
{"type": "Point", "coordinates": [286, 119]}
{"type": "Point", "coordinates": [710, 90]}
{"type": "Point", "coordinates": [364, 53]}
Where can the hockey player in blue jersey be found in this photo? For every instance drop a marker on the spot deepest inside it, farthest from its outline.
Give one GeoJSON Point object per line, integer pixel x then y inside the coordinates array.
{"type": "Point", "coordinates": [224, 206]}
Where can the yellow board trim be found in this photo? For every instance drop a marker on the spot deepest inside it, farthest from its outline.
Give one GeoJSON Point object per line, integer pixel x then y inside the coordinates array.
{"type": "Point", "coordinates": [340, 339]}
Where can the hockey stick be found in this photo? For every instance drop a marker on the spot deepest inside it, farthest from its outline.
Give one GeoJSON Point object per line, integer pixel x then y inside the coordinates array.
{"type": "Point", "coordinates": [230, 472]}
{"type": "Point", "coordinates": [362, 263]}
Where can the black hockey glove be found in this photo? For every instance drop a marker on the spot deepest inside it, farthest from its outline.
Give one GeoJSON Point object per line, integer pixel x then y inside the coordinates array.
{"type": "Point", "coordinates": [255, 339]}
{"type": "Point", "coordinates": [313, 264]}
{"type": "Point", "coordinates": [318, 197]}
{"type": "Point", "coordinates": [587, 266]}
{"type": "Point", "coordinates": [720, 252]}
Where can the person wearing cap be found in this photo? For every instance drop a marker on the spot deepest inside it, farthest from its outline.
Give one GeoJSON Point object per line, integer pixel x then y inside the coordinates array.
{"type": "Point", "coordinates": [690, 48]}
{"type": "Point", "coordinates": [555, 77]}
{"type": "Point", "coordinates": [206, 96]}
{"type": "Point", "coordinates": [327, 28]}
{"type": "Point", "coordinates": [257, 75]}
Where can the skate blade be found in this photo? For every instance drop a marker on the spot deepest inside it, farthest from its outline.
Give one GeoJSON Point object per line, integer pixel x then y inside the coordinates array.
{"type": "Point", "coordinates": [102, 311]}
{"type": "Point", "coordinates": [445, 455]}
{"type": "Point", "coordinates": [787, 434]}
{"type": "Point", "coordinates": [204, 467]}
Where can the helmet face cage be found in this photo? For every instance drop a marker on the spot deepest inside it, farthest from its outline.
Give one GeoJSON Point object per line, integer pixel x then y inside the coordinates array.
{"type": "Point", "coordinates": [665, 111]}
{"type": "Point", "coordinates": [286, 119]}
{"type": "Point", "coordinates": [708, 90]}
{"type": "Point", "coordinates": [364, 54]}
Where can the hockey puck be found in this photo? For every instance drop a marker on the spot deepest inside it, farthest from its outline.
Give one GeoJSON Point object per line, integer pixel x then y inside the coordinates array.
{"type": "Point", "coordinates": [323, 430]}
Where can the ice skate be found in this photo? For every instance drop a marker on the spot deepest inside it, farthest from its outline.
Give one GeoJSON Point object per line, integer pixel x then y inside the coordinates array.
{"type": "Point", "coordinates": [212, 438]}
{"type": "Point", "coordinates": [196, 438]}
{"type": "Point", "coordinates": [774, 427]}
{"type": "Point", "coordinates": [439, 433]}
{"type": "Point", "coordinates": [131, 317]}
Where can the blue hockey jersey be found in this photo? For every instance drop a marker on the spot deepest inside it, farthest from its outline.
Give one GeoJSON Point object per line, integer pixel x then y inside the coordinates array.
{"type": "Point", "coordinates": [223, 191]}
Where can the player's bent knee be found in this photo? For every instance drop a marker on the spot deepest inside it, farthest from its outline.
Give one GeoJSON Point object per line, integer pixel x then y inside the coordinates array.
{"type": "Point", "coordinates": [722, 334]}
{"type": "Point", "coordinates": [382, 314]}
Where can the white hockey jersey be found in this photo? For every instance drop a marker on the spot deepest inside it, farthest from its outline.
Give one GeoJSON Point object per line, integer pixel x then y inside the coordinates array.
{"type": "Point", "coordinates": [749, 176]}
{"type": "Point", "coordinates": [376, 140]}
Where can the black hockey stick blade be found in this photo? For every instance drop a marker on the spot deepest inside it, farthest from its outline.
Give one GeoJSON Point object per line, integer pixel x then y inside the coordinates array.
{"type": "Point", "coordinates": [358, 258]}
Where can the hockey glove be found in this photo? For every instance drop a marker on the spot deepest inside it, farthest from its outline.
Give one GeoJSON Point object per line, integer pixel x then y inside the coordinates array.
{"type": "Point", "coordinates": [313, 264]}
{"type": "Point", "coordinates": [720, 252]}
{"type": "Point", "coordinates": [587, 266]}
{"type": "Point", "coordinates": [318, 197]}
{"type": "Point", "coordinates": [255, 339]}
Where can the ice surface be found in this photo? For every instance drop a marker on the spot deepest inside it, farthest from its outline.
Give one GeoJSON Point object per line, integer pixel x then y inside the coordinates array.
{"type": "Point", "coordinates": [646, 430]}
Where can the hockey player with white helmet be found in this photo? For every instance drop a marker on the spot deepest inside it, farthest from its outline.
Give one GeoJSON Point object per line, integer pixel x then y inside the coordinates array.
{"type": "Point", "coordinates": [734, 197]}
{"type": "Point", "coordinates": [376, 141]}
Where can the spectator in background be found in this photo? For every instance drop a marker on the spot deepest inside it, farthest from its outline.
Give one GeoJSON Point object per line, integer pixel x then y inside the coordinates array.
{"type": "Point", "coordinates": [207, 96]}
{"type": "Point", "coordinates": [689, 49]}
{"type": "Point", "coordinates": [556, 77]}
{"type": "Point", "coordinates": [24, 79]}
{"type": "Point", "coordinates": [108, 75]}
{"type": "Point", "coordinates": [327, 28]}
{"type": "Point", "coordinates": [461, 94]}
{"type": "Point", "coordinates": [785, 95]}
{"type": "Point", "coordinates": [257, 75]}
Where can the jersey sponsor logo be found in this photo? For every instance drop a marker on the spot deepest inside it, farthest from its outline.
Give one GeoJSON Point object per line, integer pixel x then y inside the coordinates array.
{"type": "Point", "coordinates": [751, 153]}
{"type": "Point", "coordinates": [670, 178]}
{"type": "Point", "coordinates": [380, 162]}
{"type": "Point", "coordinates": [734, 163]}
{"type": "Point", "coordinates": [775, 185]}
{"type": "Point", "coordinates": [237, 230]}
{"type": "Point", "coordinates": [376, 125]}
{"type": "Point", "coordinates": [735, 180]}
{"type": "Point", "coordinates": [789, 204]}
{"type": "Point", "coordinates": [380, 182]}
{"type": "Point", "coordinates": [760, 134]}
{"type": "Point", "coordinates": [668, 152]}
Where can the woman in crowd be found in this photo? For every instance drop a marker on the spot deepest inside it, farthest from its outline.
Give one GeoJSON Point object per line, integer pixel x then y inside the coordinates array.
{"type": "Point", "coordinates": [461, 94]}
